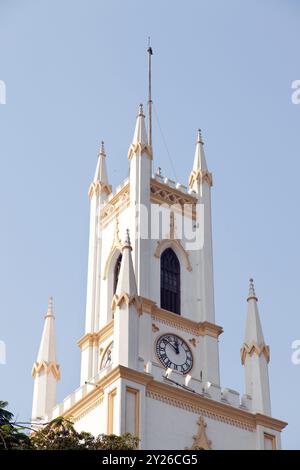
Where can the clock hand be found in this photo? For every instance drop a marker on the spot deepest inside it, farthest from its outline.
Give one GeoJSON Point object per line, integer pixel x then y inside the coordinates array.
{"type": "Point", "coordinates": [172, 346]}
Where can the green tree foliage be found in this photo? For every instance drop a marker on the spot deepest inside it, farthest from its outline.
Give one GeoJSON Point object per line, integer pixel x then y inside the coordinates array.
{"type": "Point", "coordinates": [12, 436]}
{"type": "Point", "coordinates": [112, 442]}
{"type": "Point", "coordinates": [60, 434]}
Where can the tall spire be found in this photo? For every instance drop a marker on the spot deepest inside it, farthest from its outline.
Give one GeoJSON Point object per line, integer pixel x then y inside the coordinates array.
{"type": "Point", "coordinates": [255, 356]}
{"type": "Point", "coordinates": [254, 331]}
{"type": "Point", "coordinates": [45, 370]}
{"type": "Point", "coordinates": [100, 182]}
{"type": "Point", "coordinates": [47, 350]}
{"type": "Point", "coordinates": [140, 140]}
{"type": "Point", "coordinates": [199, 159]}
{"type": "Point", "coordinates": [199, 172]}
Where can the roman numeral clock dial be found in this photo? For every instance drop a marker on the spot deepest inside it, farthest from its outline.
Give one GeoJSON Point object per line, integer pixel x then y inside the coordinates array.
{"type": "Point", "coordinates": [174, 353]}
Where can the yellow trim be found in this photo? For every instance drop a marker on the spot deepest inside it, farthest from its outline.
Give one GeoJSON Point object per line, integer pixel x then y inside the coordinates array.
{"type": "Point", "coordinates": [86, 404]}
{"type": "Point", "coordinates": [115, 205]}
{"type": "Point", "coordinates": [136, 394]}
{"type": "Point", "coordinates": [115, 248]}
{"type": "Point", "coordinates": [166, 243]}
{"type": "Point", "coordinates": [110, 410]}
{"type": "Point", "coordinates": [271, 438]}
{"type": "Point", "coordinates": [163, 193]}
{"type": "Point", "coordinates": [254, 348]}
{"type": "Point", "coordinates": [189, 401]}
{"type": "Point", "coordinates": [181, 398]}
{"type": "Point", "coordinates": [139, 149]}
{"type": "Point", "coordinates": [46, 367]}
{"type": "Point", "coordinates": [200, 440]}
{"type": "Point", "coordinates": [119, 300]}
{"type": "Point", "coordinates": [177, 321]}
{"type": "Point", "coordinates": [199, 176]}
{"type": "Point", "coordinates": [94, 339]}
{"type": "Point", "coordinates": [147, 305]}
{"type": "Point", "coordinates": [98, 188]}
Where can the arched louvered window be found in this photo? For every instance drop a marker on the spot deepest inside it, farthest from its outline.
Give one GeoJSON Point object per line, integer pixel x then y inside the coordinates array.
{"type": "Point", "coordinates": [170, 281]}
{"type": "Point", "coordinates": [117, 271]}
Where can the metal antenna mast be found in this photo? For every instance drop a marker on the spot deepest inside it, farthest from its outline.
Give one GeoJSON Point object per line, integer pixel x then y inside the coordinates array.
{"type": "Point", "coordinates": [150, 53]}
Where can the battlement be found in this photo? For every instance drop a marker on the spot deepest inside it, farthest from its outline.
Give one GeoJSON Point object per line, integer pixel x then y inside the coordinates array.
{"type": "Point", "coordinates": [172, 184]}
{"type": "Point", "coordinates": [164, 180]}
{"type": "Point", "coordinates": [204, 389]}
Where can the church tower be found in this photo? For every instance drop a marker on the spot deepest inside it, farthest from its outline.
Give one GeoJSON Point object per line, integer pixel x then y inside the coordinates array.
{"type": "Point", "coordinates": [149, 353]}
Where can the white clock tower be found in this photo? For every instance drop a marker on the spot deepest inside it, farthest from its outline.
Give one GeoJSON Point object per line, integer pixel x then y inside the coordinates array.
{"type": "Point", "coordinates": [150, 356]}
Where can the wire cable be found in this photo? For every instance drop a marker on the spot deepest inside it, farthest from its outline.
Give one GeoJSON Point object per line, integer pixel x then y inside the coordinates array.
{"type": "Point", "coordinates": [165, 143]}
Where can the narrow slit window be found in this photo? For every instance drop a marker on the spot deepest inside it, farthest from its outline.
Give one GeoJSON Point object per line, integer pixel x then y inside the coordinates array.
{"type": "Point", "coordinates": [117, 272]}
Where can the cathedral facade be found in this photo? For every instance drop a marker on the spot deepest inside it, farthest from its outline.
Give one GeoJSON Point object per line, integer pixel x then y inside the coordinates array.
{"type": "Point", "coordinates": [149, 352]}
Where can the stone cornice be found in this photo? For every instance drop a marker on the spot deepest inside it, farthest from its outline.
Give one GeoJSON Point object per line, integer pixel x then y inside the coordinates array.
{"type": "Point", "coordinates": [163, 194]}
{"type": "Point", "coordinates": [255, 348]}
{"type": "Point", "coordinates": [85, 403]}
{"type": "Point", "coordinates": [46, 367]}
{"type": "Point", "coordinates": [96, 395]}
{"type": "Point", "coordinates": [149, 306]}
{"type": "Point", "coordinates": [217, 409]}
{"type": "Point", "coordinates": [178, 321]}
{"type": "Point", "coordinates": [93, 339]}
{"type": "Point", "coordinates": [177, 397]}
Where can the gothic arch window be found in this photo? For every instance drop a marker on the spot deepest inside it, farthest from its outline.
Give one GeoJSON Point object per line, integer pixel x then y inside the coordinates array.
{"type": "Point", "coordinates": [170, 281]}
{"type": "Point", "coordinates": [117, 271]}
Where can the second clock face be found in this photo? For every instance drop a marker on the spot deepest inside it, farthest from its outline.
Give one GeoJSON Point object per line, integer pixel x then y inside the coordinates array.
{"type": "Point", "coordinates": [173, 352]}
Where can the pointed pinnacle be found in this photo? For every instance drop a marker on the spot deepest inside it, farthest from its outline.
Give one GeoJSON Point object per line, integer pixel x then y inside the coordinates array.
{"type": "Point", "coordinates": [141, 110]}
{"type": "Point", "coordinates": [251, 294]}
{"type": "Point", "coordinates": [102, 149]}
{"type": "Point", "coordinates": [199, 137]}
{"type": "Point", "coordinates": [50, 312]}
{"type": "Point", "coordinates": [127, 241]}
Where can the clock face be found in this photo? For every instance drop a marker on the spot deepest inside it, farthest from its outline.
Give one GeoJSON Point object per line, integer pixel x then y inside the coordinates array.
{"type": "Point", "coordinates": [174, 353]}
{"type": "Point", "coordinates": [107, 357]}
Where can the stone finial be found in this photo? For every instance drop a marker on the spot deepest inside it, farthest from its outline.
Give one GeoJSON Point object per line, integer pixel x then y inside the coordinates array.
{"type": "Point", "coordinates": [127, 240]}
{"type": "Point", "coordinates": [50, 311]}
{"type": "Point", "coordinates": [251, 294]}
{"type": "Point", "coordinates": [199, 137]}
{"type": "Point", "coordinates": [200, 440]}
{"type": "Point", "coordinates": [141, 110]}
{"type": "Point", "coordinates": [102, 149]}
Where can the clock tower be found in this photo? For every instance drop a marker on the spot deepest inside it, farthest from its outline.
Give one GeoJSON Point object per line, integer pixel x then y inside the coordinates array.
{"type": "Point", "coordinates": [149, 353]}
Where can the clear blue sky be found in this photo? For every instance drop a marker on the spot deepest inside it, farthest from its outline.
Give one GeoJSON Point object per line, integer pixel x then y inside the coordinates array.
{"type": "Point", "coordinates": [75, 73]}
